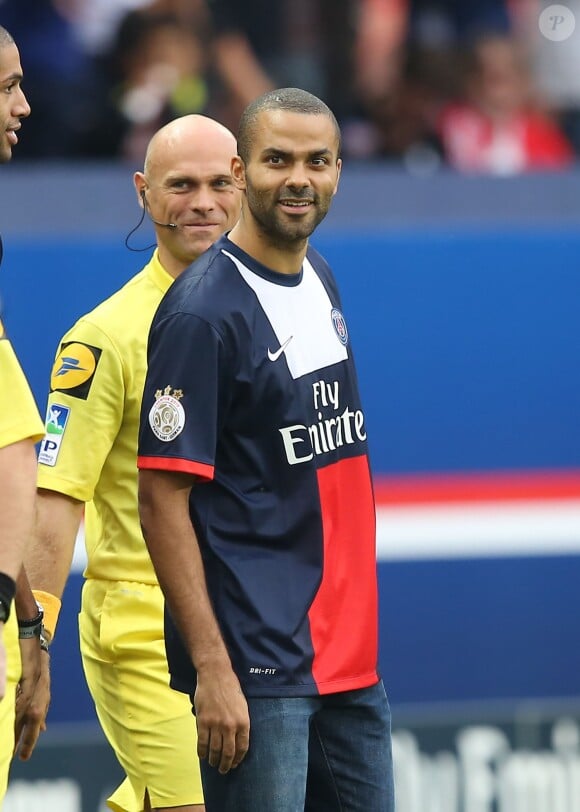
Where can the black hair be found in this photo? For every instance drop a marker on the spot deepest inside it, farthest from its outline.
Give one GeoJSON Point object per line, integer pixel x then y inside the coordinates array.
{"type": "Point", "coordinates": [287, 98]}
{"type": "Point", "coordinates": [6, 37]}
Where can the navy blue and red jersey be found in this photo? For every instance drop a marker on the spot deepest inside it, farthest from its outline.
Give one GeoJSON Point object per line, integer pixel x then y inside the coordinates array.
{"type": "Point", "coordinates": [251, 386]}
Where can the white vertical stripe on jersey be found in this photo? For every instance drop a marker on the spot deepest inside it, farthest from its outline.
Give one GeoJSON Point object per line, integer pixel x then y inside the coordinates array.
{"type": "Point", "coordinates": [295, 311]}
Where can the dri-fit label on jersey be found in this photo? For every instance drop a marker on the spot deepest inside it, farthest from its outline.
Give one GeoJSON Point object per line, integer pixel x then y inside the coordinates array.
{"type": "Point", "coordinates": [74, 369]}
{"type": "Point", "coordinates": [56, 420]}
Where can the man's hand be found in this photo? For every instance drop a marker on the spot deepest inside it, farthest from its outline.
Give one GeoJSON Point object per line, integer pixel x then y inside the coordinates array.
{"type": "Point", "coordinates": [31, 720]}
{"type": "Point", "coordinates": [30, 657]}
{"type": "Point", "coordinates": [223, 721]}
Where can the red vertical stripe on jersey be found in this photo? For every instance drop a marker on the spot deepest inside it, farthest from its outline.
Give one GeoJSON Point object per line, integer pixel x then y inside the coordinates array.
{"type": "Point", "coordinates": [343, 615]}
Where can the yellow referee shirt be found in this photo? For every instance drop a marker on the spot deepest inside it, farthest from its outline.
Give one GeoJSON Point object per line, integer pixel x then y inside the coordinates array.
{"type": "Point", "coordinates": [89, 451]}
{"type": "Point", "coordinates": [19, 418]}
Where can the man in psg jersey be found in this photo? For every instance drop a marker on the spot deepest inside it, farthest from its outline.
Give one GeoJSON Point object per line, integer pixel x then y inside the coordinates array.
{"type": "Point", "coordinates": [255, 493]}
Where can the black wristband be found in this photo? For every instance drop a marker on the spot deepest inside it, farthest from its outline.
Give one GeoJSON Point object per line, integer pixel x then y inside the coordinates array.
{"type": "Point", "coordinates": [32, 627]}
{"type": "Point", "coordinates": [7, 592]}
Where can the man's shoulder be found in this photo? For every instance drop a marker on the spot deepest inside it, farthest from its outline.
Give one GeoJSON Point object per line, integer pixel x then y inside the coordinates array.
{"type": "Point", "coordinates": [136, 289]}
{"type": "Point", "coordinates": [318, 262]}
{"type": "Point", "coordinates": [205, 287]}
{"type": "Point", "coordinates": [211, 262]}
{"type": "Point", "coordinates": [125, 309]}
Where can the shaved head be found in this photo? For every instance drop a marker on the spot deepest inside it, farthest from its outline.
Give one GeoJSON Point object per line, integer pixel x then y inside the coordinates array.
{"type": "Point", "coordinates": [187, 133]}
{"type": "Point", "coordinates": [187, 188]}
{"type": "Point", "coordinates": [5, 37]}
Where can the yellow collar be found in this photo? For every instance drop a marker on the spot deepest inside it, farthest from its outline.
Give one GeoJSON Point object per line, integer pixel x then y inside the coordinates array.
{"type": "Point", "coordinates": [158, 274]}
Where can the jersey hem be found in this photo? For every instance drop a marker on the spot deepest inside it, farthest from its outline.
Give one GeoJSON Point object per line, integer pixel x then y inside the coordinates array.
{"type": "Point", "coordinates": [27, 430]}
{"type": "Point", "coordinates": [311, 689]}
{"type": "Point", "coordinates": [63, 486]}
{"type": "Point", "coordinates": [348, 684]}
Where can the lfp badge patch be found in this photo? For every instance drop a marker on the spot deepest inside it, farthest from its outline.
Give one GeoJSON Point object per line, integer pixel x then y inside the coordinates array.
{"type": "Point", "coordinates": [56, 420]}
{"type": "Point", "coordinates": [167, 415]}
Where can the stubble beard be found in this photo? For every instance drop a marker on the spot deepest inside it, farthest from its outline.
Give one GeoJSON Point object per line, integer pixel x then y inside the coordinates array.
{"type": "Point", "coordinates": [5, 153]}
{"type": "Point", "coordinates": [277, 227]}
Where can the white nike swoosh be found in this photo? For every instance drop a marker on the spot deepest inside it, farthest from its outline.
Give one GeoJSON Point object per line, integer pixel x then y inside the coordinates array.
{"type": "Point", "coordinates": [273, 356]}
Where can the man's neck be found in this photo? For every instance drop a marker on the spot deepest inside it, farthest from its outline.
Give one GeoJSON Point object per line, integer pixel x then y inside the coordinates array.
{"type": "Point", "coordinates": [282, 259]}
{"type": "Point", "coordinates": [171, 264]}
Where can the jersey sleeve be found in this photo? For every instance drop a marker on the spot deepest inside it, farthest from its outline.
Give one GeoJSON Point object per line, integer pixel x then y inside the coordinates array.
{"type": "Point", "coordinates": [84, 412]}
{"type": "Point", "coordinates": [183, 397]}
{"type": "Point", "coordinates": [19, 418]}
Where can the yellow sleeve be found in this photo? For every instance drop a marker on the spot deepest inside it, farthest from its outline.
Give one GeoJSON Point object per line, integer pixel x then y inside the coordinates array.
{"type": "Point", "coordinates": [19, 418]}
{"type": "Point", "coordinates": [84, 413]}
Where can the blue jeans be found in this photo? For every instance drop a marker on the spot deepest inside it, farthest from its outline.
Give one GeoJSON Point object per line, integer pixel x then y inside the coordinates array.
{"type": "Point", "coordinates": [311, 754]}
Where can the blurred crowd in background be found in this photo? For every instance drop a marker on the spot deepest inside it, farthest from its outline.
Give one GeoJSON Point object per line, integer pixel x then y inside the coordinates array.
{"type": "Point", "coordinates": [470, 84]}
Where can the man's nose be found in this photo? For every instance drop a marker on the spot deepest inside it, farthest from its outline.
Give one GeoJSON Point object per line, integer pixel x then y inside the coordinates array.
{"type": "Point", "coordinates": [21, 107]}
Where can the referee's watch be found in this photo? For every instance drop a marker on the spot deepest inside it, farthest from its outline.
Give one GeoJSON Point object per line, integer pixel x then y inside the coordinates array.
{"type": "Point", "coordinates": [44, 644]}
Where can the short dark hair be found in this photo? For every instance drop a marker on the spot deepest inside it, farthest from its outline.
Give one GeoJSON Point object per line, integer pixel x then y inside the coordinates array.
{"type": "Point", "coordinates": [286, 98]}
{"type": "Point", "coordinates": [6, 37]}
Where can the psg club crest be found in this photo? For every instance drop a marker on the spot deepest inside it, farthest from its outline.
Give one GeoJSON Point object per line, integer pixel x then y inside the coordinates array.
{"type": "Point", "coordinates": [339, 325]}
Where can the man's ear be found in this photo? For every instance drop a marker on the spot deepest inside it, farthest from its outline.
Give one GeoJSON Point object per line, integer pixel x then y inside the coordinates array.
{"type": "Point", "coordinates": [239, 173]}
{"type": "Point", "coordinates": [338, 169]}
{"type": "Point", "coordinates": [140, 187]}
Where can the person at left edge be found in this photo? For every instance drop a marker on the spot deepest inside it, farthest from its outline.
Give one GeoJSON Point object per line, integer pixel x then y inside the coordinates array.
{"type": "Point", "coordinates": [89, 456]}
{"type": "Point", "coordinates": [20, 428]}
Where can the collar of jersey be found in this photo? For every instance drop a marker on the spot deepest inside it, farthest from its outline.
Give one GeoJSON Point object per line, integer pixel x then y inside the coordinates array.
{"type": "Point", "coordinates": [158, 274]}
{"type": "Point", "coordinates": [289, 280]}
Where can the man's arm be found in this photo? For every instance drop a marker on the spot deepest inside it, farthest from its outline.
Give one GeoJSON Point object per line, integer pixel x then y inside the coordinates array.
{"type": "Point", "coordinates": [48, 561]}
{"type": "Point", "coordinates": [49, 555]}
{"type": "Point", "coordinates": [17, 497]}
{"type": "Point", "coordinates": [221, 710]}
{"type": "Point", "coordinates": [17, 489]}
